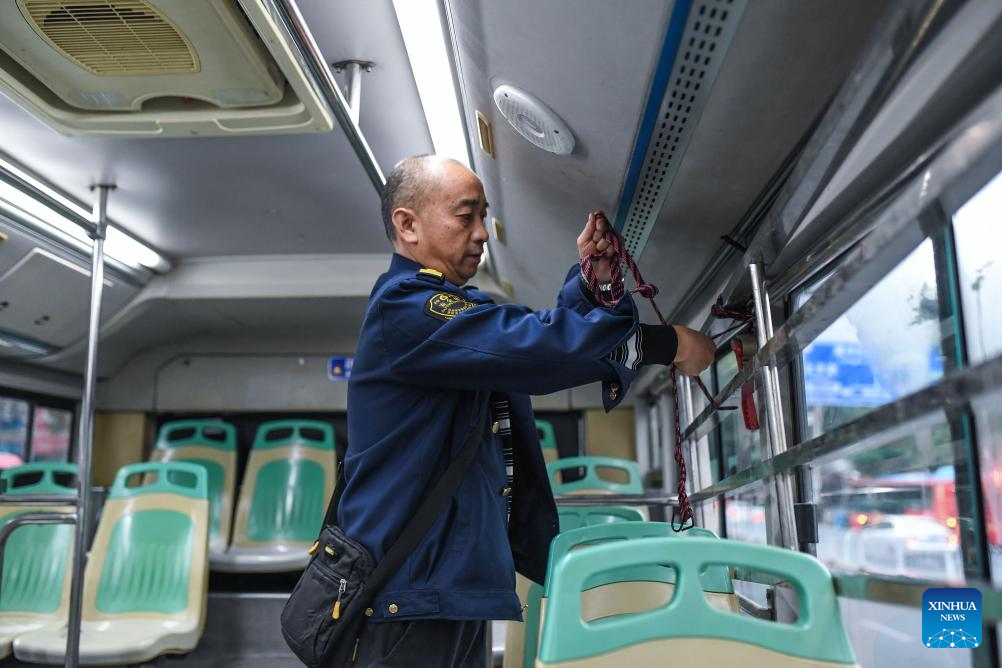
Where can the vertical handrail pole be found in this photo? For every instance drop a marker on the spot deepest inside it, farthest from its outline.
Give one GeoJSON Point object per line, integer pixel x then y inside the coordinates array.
{"type": "Point", "coordinates": [85, 435]}
{"type": "Point", "coordinates": [354, 73]}
{"type": "Point", "coordinates": [786, 536]}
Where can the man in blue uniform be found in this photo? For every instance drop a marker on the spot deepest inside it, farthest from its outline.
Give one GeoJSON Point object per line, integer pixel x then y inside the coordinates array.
{"type": "Point", "coordinates": [430, 354]}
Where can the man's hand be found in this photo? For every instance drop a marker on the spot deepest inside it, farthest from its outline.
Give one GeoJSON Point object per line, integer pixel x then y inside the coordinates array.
{"type": "Point", "coordinates": [592, 242]}
{"type": "Point", "coordinates": [695, 351]}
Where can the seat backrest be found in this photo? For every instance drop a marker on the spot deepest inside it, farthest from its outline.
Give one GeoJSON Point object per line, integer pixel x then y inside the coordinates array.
{"type": "Point", "coordinates": [714, 579]}
{"type": "Point", "coordinates": [591, 481]}
{"type": "Point", "coordinates": [547, 440]}
{"type": "Point", "coordinates": [573, 517]}
{"type": "Point", "coordinates": [289, 479]}
{"type": "Point", "coordinates": [213, 445]}
{"type": "Point", "coordinates": [620, 590]}
{"type": "Point", "coordinates": [36, 579]}
{"type": "Point", "coordinates": [689, 628]}
{"type": "Point", "coordinates": [150, 552]}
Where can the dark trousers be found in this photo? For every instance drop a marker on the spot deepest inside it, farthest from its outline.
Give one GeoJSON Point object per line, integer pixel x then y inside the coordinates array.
{"type": "Point", "coordinates": [425, 643]}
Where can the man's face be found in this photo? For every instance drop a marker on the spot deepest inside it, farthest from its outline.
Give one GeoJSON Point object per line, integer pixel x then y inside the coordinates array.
{"type": "Point", "coordinates": [448, 229]}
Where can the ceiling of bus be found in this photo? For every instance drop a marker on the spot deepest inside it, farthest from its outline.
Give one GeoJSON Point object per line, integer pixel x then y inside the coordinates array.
{"type": "Point", "coordinates": [591, 61]}
{"type": "Point", "coordinates": [251, 195]}
{"type": "Point", "coordinates": [785, 62]}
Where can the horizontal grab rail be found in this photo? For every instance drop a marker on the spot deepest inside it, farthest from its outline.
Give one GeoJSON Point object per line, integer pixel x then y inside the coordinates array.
{"type": "Point", "coordinates": [616, 499]}
{"type": "Point", "coordinates": [955, 387]}
{"type": "Point", "coordinates": [37, 500]}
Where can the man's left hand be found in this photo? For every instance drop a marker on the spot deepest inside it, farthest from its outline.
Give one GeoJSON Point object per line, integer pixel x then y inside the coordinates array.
{"type": "Point", "coordinates": [592, 242]}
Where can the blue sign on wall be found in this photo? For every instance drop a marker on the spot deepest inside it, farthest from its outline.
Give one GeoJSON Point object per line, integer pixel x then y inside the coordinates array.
{"type": "Point", "coordinates": [339, 368]}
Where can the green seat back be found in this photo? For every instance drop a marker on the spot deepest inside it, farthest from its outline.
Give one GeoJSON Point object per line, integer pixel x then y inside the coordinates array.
{"type": "Point", "coordinates": [35, 557]}
{"type": "Point", "coordinates": [181, 434]}
{"type": "Point", "coordinates": [147, 564]}
{"type": "Point", "coordinates": [714, 579]}
{"type": "Point", "coordinates": [591, 479]}
{"type": "Point", "coordinates": [285, 433]}
{"type": "Point", "coordinates": [816, 635]}
{"type": "Point", "coordinates": [288, 501]}
{"type": "Point", "coordinates": [209, 433]}
{"type": "Point", "coordinates": [573, 517]}
{"type": "Point", "coordinates": [547, 436]}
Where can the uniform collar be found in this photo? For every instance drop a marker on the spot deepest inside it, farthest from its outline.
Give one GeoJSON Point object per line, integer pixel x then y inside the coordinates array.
{"type": "Point", "coordinates": [400, 264]}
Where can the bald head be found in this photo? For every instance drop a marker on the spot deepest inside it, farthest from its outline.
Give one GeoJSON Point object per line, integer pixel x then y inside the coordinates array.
{"type": "Point", "coordinates": [411, 183]}
{"type": "Point", "coordinates": [434, 210]}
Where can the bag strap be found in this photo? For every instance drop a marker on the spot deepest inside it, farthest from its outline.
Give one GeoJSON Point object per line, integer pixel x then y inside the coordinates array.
{"type": "Point", "coordinates": [429, 510]}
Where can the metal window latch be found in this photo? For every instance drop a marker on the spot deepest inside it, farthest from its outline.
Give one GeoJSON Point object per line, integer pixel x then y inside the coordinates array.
{"type": "Point", "coordinates": [806, 517]}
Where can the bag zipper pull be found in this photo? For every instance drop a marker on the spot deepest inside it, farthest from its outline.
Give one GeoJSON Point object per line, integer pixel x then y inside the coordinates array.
{"type": "Point", "coordinates": [313, 548]}
{"type": "Point", "coordinates": [336, 614]}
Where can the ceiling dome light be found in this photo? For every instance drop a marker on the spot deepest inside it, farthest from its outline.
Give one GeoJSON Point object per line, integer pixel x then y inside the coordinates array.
{"type": "Point", "coordinates": [534, 120]}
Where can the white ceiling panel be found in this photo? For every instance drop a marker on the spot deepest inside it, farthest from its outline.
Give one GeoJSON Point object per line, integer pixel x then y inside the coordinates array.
{"type": "Point", "coordinates": [251, 195]}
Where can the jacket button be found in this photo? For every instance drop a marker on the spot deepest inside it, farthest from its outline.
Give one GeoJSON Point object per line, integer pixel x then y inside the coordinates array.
{"type": "Point", "coordinates": [506, 491]}
{"type": "Point", "coordinates": [393, 608]}
{"type": "Point", "coordinates": [496, 427]}
{"type": "Point", "coordinates": [369, 612]}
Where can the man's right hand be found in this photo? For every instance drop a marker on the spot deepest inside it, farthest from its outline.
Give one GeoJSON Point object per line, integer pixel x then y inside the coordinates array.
{"type": "Point", "coordinates": [695, 351]}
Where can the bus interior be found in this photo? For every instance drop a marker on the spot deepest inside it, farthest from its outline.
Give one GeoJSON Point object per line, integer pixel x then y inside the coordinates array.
{"type": "Point", "coordinates": [190, 229]}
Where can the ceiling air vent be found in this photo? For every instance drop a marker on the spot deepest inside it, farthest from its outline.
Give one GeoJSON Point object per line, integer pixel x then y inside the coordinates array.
{"type": "Point", "coordinates": [155, 68]}
{"type": "Point", "coordinates": [117, 37]}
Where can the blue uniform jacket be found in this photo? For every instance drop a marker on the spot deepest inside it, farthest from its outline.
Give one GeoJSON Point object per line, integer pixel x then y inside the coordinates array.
{"type": "Point", "coordinates": [429, 355]}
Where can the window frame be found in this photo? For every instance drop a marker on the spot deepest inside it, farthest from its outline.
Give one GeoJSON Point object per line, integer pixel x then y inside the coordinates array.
{"type": "Point", "coordinates": [37, 400]}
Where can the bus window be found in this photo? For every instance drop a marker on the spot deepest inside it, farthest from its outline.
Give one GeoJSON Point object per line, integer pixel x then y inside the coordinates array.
{"type": "Point", "coordinates": [50, 434]}
{"type": "Point", "coordinates": [13, 431]}
{"type": "Point", "coordinates": [739, 446]}
{"type": "Point", "coordinates": [979, 238]}
{"type": "Point", "coordinates": [884, 347]}
{"type": "Point", "coordinates": [889, 506]}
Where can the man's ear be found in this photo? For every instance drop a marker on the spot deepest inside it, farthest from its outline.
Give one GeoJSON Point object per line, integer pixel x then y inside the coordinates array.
{"type": "Point", "coordinates": [405, 222]}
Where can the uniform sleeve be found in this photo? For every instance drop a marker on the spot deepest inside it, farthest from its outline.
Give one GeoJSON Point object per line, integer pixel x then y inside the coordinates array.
{"type": "Point", "coordinates": [504, 347]}
{"type": "Point", "coordinates": [575, 295]}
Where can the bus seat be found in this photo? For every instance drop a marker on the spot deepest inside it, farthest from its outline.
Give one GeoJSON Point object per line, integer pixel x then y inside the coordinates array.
{"type": "Point", "coordinates": [146, 579]}
{"type": "Point", "coordinates": [289, 479]}
{"type": "Point", "coordinates": [518, 643]}
{"type": "Point", "coordinates": [689, 629]}
{"type": "Point", "coordinates": [627, 590]}
{"type": "Point", "coordinates": [591, 482]}
{"type": "Point", "coordinates": [213, 445]}
{"type": "Point", "coordinates": [36, 581]}
{"type": "Point", "coordinates": [573, 517]}
{"type": "Point", "coordinates": [547, 440]}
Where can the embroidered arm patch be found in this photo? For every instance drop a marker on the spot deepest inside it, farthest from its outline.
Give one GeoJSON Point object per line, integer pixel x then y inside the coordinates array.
{"type": "Point", "coordinates": [446, 306]}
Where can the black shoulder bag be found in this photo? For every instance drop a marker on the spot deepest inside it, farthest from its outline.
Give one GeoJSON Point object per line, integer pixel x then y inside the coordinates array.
{"type": "Point", "coordinates": [322, 620]}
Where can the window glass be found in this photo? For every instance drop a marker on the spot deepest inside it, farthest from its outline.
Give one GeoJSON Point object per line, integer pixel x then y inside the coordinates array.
{"type": "Point", "coordinates": [50, 434]}
{"type": "Point", "coordinates": [988, 427]}
{"type": "Point", "coordinates": [740, 447]}
{"type": "Point", "coordinates": [979, 262]}
{"type": "Point", "coordinates": [888, 505]}
{"type": "Point", "coordinates": [13, 431]}
{"type": "Point", "coordinates": [744, 514]}
{"type": "Point", "coordinates": [884, 347]}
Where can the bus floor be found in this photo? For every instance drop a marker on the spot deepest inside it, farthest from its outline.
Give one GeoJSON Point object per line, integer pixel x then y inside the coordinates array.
{"type": "Point", "coordinates": [242, 631]}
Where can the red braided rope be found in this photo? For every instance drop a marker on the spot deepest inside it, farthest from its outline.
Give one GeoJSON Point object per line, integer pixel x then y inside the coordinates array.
{"type": "Point", "coordinates": [617, 258]}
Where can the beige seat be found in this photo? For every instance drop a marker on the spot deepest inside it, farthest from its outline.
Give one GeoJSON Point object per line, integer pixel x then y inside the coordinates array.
{"type": "Point", "coordinates": [146, 578]}
{"type": "Point", "coordinates": [690, 629]}
{"type": "Point", "coordinates": [289, 479]}
{"type": "Point", "coordinates": [36, 576]}
{"type": "Point", "coordinates": [213, 445]}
